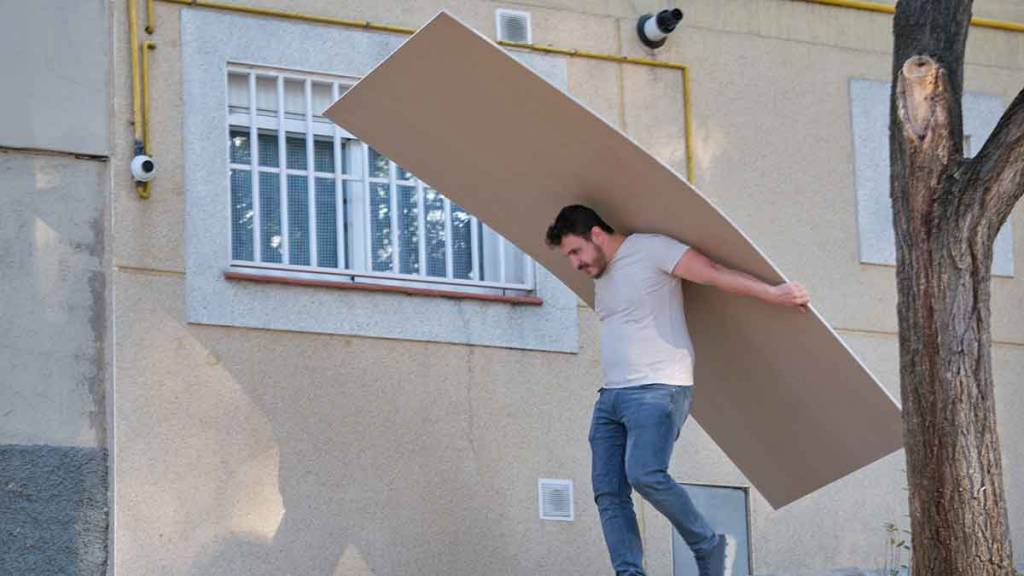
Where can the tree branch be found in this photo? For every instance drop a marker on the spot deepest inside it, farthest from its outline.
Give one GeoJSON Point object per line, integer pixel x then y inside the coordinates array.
{"type": "Point", "coordinates": [995, 177]}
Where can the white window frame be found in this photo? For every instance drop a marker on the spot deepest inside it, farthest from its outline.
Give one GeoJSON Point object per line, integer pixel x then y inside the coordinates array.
{"type": "Point", "coordinates": [212, 40]}
{"type": "Point", "coordinates": [359, 270]}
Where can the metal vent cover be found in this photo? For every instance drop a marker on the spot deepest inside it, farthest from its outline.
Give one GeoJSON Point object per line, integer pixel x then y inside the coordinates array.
{"type": "Point", "coordinates": [555, 499]}
{"type": "Point", "coordinates": [513, 26]}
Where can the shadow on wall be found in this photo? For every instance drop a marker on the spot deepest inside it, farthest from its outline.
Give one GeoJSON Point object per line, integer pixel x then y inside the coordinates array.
{"type": "Point", "coordinates": [260, 452]}
{"type": "Point", "coordinates": [376, 461]}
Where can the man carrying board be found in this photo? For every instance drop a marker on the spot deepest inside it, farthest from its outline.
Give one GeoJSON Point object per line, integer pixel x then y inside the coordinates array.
{"type": "Point", "coordinates": [647, 358]}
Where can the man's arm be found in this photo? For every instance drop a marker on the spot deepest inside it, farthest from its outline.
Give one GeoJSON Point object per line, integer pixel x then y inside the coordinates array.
{"type": "Point", "coordinates": [697, 267]}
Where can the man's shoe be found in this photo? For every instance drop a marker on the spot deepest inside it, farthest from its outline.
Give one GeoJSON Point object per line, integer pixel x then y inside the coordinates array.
{"type": "Point", "coordinates": [719, 559]}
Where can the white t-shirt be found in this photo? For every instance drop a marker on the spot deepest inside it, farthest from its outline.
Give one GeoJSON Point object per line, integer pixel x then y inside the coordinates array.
{"type": "Point", "coordinates": [644, 338]}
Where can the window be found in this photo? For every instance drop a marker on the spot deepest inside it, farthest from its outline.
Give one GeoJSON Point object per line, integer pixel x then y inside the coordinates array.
{"type": "Point", "coordinates": [277, 192]}
{"type": "Point", "coordinates": [869, 107]}
{"type": "Point", "coordinates": [308, 197]}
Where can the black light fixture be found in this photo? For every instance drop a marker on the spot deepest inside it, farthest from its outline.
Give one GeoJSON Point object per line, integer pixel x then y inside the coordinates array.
{"type": "Point", "coordinates": [654, 29]}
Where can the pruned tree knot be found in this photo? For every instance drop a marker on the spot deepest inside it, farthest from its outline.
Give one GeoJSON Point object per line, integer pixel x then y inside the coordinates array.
{"type": "Point", "coordinates": [919, 66]}
{"type": "Point", "coordinates": [919, 86]}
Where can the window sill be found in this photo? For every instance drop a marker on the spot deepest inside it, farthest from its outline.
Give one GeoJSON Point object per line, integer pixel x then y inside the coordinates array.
{"type": "Point", "coordinates": [410, 291]}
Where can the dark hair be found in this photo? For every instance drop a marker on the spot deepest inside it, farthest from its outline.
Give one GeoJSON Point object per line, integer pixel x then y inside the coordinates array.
{"type": "Point", "coordinates": [577, 220]}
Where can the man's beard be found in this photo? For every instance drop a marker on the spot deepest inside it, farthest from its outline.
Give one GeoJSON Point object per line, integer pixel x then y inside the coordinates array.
{"type": "Point", "coordinates": [600, 262]}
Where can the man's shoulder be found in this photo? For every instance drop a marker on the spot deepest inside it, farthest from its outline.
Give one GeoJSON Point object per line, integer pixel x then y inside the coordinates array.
{"type": "Point", "coordinates": [659, 251]}
{"type": "Point", "coordinates": [642, 237]}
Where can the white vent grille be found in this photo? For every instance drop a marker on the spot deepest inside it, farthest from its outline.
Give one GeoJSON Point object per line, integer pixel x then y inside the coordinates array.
{"type": "Point", "coordinates": [555, 498]}
{"type": "Point", "coordinates": [514, 26]}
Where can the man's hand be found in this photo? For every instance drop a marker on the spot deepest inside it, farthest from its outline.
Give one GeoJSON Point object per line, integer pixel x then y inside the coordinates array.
{"type": "Point", "coordinates": [790, 294]}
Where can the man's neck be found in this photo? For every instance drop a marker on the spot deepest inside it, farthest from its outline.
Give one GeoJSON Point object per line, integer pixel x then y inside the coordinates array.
{"type": "Point", "coordinates": [614, 243]}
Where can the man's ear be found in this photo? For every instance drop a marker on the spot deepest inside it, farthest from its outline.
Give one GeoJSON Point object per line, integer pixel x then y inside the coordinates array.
{"type": "Point", "coordinates": [597, 235]}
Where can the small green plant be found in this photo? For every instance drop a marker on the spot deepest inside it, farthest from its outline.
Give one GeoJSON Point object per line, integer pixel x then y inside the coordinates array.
{"type": "Point", "coordinates": [897, 541]}
{"type": "Point", "coordinates": [895, 545]}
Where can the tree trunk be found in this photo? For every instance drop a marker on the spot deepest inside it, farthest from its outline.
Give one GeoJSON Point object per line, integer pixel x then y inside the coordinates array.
{"type": "Point", "coordinates": [946, 213]}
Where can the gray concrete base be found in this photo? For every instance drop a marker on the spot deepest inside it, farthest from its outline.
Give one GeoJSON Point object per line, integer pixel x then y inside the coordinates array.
{"type": "Point", "coordinates": [53, 502]}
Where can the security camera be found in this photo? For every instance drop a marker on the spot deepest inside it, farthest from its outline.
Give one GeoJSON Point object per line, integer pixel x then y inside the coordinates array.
{"type": "Point", "coordinates": [653, 29]}
{"type": "Point", "coordinates": [143, 168]}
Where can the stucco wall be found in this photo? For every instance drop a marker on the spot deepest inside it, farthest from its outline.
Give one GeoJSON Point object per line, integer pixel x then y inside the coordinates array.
{"type": "Point", "coordinates": [255, 451]}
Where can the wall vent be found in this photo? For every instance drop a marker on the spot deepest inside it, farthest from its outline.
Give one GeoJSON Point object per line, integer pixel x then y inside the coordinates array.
{"type": "Point", "coordinates": [555, 499]}
{"type": "Point", "coordinates": [513, 26]}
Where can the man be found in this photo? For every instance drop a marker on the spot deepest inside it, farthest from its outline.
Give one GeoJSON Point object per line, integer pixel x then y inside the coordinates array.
{"type": "Point", "coordinates": [647, 359]}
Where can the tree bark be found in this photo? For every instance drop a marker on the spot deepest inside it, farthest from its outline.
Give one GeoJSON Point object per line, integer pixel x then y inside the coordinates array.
{"type": "Point", "coordinates": [946, 213]}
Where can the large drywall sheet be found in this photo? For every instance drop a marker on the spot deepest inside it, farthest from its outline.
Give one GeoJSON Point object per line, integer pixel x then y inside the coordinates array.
{"type": "Point", "coordinates": [779, 391]}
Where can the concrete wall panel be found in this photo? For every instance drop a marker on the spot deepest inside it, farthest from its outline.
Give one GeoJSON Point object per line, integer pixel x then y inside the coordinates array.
{"type": "Point", "coordinates": [52, 300]}
{"type": "Point", "coordinates": [55, 70]}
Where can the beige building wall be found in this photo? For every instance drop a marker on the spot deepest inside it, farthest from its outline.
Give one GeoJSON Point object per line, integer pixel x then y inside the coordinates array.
{"type": "Point", "coordinates": [246, 451]}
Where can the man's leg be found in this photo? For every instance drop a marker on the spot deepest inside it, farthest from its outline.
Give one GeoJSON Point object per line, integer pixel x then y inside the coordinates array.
{"type": "Point", "coordinates": [654, 415]}
{"type": "Point", "coordinates": [611, 491]}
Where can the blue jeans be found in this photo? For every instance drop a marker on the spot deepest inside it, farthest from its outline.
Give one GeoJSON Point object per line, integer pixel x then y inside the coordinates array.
{"type": "Point", "coordinates": [631, 437]}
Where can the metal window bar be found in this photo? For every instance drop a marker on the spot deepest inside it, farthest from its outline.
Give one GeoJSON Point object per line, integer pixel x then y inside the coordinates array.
{"type": "Point", "coordinates": [449, 266]}
{"type": "Point", "coordinates": [501, 258]}
{"type": "Point", "coordinates": [254, 169]}
{"type": "Point", "coordinates": [368, 250]}
{"type": "Point", "coordinates": [310, 176]}
{"type": "Point", "coordinates": [474, 247]}
{"type": "Point", "coordinates": [528, 270]}
{"type": "Point", "coordinates": [282, 163]}
{"type": "Point", "coordinates": [396, 263]}
{"type": "Point", "coordinates": [421, 222]}
{"type": "Point", "coordinates": [339, 190]}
